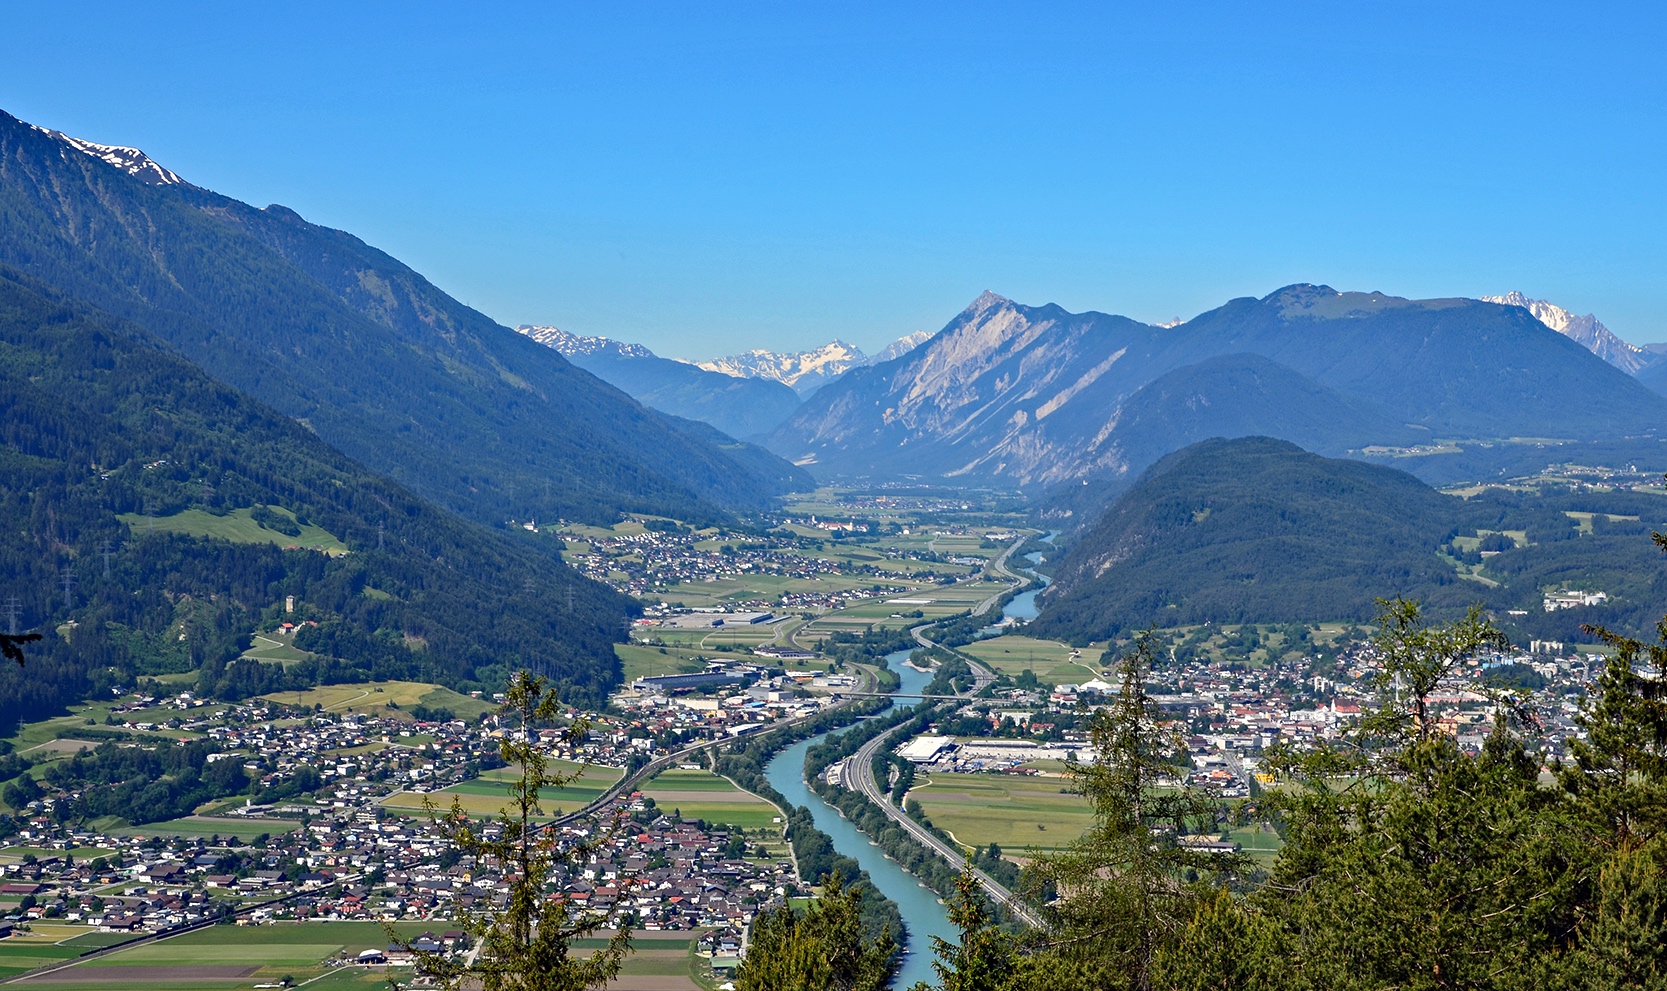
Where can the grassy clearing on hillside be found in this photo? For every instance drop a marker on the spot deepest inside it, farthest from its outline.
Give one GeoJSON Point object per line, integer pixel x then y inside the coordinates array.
{"type": "Point", "coordinates": [1020, 813]}
{"type": "Point", "coordinates": [275, 647]}
{"type": "Point", "coordinates": [237, 526]}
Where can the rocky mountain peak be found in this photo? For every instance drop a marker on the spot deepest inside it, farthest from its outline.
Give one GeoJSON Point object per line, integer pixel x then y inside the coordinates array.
{"type": "Point", "coordinates": [130, 160]}
{"type": "Point", "coordinates": [578, 344]}
{"type": "Point", "coordinates": [1586, 331]}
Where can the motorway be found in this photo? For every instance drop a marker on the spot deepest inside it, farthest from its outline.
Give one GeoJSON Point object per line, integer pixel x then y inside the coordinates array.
{"type": "Point", "coordinates": [859, 766]}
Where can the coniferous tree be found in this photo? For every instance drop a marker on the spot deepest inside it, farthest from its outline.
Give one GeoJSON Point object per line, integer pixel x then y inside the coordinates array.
{"type": "Point", "coordinates": [524, 945]}
{"type": "Point", "coordinates": [820, 949]}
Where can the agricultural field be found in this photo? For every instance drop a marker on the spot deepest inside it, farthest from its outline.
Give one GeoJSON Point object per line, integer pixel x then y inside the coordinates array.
{"type": "Point", "coordinates": [1261, 845]}
{"type": "Point", "coordinates": [237, 526]}
{"type": "Point", "coordinates": [704, 795]}
{"type": "Point", "coordinates": [384, 698]}
{"type": "Point", "coordinates": [226, 957]}
{"type": "Point", "coordinates": [1022, 813]}
{"type": "Point", "coordinates": [204, 826]}
{"type": "Point", "coordinates": [656, 961]}
{"type": "Point", "coordinates": [1053, 662]}
{"type": "Point", "coordinates": [489, 793]}
{"type": "Point", "coordinates": [15, 854]}
{"type": "Point", "coordinates": [642, 661]}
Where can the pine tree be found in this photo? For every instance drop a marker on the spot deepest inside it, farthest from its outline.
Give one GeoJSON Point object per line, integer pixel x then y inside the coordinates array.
{"type": "Point", "coordinates": [1129, 885]}
{"type": "Point", "coordinates": [524, 945]}
{"type": "Point", "coordinates": [820, 949]}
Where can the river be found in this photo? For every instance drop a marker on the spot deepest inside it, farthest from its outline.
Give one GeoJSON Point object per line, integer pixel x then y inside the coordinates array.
{"type": "Point", "coordinates": [925, 915]}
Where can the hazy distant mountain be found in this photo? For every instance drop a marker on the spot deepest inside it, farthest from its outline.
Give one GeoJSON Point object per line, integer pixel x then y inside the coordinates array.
{"type": "Point", "coordinates": [1587, 331]}
{"type": "Point", "coordinates": [366, 352]}
{"type": "Point", "coordinates": [807, 371]}
{"type": "Point", "coordinates": [1040, 396]}
{"type": "Point", "coordinates": [900, 347]}
{"type": "Point", "coordinates": [579, 346]}
{"type": "Point", "coordinates": [740, 407]}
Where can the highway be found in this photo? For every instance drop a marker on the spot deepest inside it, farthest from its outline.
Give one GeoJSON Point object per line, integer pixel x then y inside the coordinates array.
{"type": "Point", "coordinates": [859, 766]}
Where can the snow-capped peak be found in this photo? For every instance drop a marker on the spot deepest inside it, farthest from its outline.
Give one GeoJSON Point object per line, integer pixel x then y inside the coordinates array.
{"type": "Point", "coordinates": [803, 369]}
{"type": "Point", "coordinates": [902, 346]}
{"type": "Point", "coordinates": [1586, 331]}
{"type": "Point", "coordinates": [130, 160]}
{"type": "Point", "coordinates": [572, 344]}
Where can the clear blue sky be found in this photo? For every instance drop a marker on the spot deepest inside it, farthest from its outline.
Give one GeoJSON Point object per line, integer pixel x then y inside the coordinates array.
{"type": "Point", "coordinates": [706, 178]}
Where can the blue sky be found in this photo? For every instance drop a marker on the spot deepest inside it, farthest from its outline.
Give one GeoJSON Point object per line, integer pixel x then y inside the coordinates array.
{"type": "Point", "coordinates": [708, 178]}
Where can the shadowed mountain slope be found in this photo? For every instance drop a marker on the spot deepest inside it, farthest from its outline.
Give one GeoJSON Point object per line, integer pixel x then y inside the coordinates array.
{"type": "Point", "coordinates": [365, 351]}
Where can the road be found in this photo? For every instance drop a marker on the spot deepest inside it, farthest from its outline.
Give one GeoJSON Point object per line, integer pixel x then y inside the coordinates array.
{"type": "Point", "coordinates": [859, 768]}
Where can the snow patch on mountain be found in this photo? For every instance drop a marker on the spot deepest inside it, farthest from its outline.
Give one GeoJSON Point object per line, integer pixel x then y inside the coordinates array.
{"type": "Point", "coordinates": [1587, 331]}
{"type": "Point", "coordinates": [807, 371]}
{"type": "Point", "coordinates": [130, 160]}
{"type": "Point", "coordinates": [578, 344]}
{"type": "Point", "coordinates": [902, 346]}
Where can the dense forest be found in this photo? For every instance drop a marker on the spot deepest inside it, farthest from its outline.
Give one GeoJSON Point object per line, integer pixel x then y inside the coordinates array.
{"type": "Point", "coordinates": [1258, 530]}
{"type": "Point", "coordinates": [103, 431]}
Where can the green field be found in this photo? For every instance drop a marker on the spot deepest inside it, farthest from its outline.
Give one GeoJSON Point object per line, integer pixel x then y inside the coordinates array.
{"type": "Point", "coordinates": [228, 957]}
{"type": "Point", "coordinates": [1051, 660]}
{"type": "Point", "coordinates": [204, 826]}
{"type": "Point", "coordinates": [387, 698]}
{"type": "Point", "coordinates": [21, 953]}
{"type": "Point", "coordinates": [489, 793]}
{"type": "Point", "coordinates": [1260, 844]}
{"type": "Point", "coordinates": [704, 795]}
{"type": "Point", "coordinates": [275, 647]}
{"type": "Point", "coordinates": [1021, 813]}
{"type": "Point", "coordinates": [237, 526]}
{"type": "Point", "coordinates": [238, 957]}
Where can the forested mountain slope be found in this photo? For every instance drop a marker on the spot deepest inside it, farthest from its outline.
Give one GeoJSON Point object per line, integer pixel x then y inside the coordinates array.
{"type": "Point", "coordinates": [1037, 396]}
{"type": "Point", "coordinates": [98, 422]}
{"type": "Point", "coordinates": [369, 354]}
{"type": "Point", "coordinates": [1258, 530]}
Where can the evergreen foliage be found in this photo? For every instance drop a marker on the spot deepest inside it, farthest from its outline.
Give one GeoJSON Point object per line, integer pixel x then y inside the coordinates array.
{"type": "Point", "coordinates": [820, 949]}
{"type": "Point", "coordinates": [1258, 530]}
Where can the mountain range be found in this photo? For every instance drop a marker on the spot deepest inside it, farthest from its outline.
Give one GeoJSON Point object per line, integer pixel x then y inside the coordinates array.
{"type": "Point", "coordinates": [1040, 397]}
{"type": "Point", "coordinates": [808, 371]}
{"type": "Point", "coordinates": [740, 407]}
{"type": "Point", "coordinates": [119, 458]}
{"type": "Point", "coordinates": [361, 349]}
